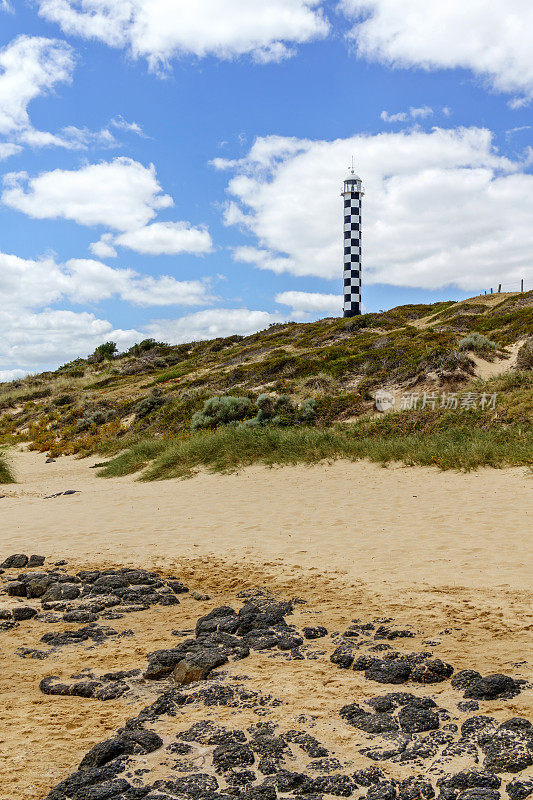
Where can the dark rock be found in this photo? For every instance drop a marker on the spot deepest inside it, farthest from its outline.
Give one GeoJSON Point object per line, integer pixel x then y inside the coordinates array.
{"type": "Point", "coordinates": [177, 587]}
{"type": "Point", "coordinates": [416, 718]}
{"type": "Point", "coordinates": [5, 613]}
{"type": "Point", "coordinates": [286, 781]}
{"type": "Point", "coordinates": [385, 790]}
{"type": "Point", "coordinates": [79, 616]}
{"type": "Point", "coordinates": [92, 632]}
{"type": "Point", "coordinates": [21, 613]}
{"type": "Point", "coordinates": [368, 776]}
{"type": "Point", "coordinates": [415, 788]}
{"type": "Point", "coordinates": [394, 745]}
{"type": "Point", "coordinates": [469, 779]}
{"type": "Point", "coordinates": [365, 662]}
{"type": "Point", "coordinates": [393, 671]}
{"type": "Point", "coordinates": [492, 686]}
{"type": "Point", "coordinates": [112, 691]}
{"type": "Point", "coordinates": [127, 743]}
{"type": "Point", "coordinates": [519, 789]}
{"type": "Point", "coordinates": [479, 794]}
{"type": "Point", "coordinates": [316, 632]}
{"type": "Point", "coordinates": [195, 786]}
{"type": "Point", "coordinates": [465, 678]}
{"type": "Point", "coordinates": [84, 688]}
{"type": "Point", "coordinates": [432, 671]}
{"type": "Point", "coordinates": [387, 633]}
{"type": "Point", "coordinates": [336, 785]}
{"type": "Point", "coordinates": [50, 686]}
{"type": "Point", "coordinates": [508, 749]}
{"type": "Point", "coordinates": [198, 665]}
{"type": "Point", "coordinates": [478, 727]}
{"type": "Point", "coordinates": [231, 755]}
{"type": "Point", "coordinates": [36, 561]}
{"type": "Point", "coordinates": [468, 705]}
{"type": "Point", "coordinates": [17, 561]}
{"type": "Point", "coordinates": [16, 589]}
{"type": "Point", "coordinates": [307, 743]}
{"type": "Point", "coordinates": [343, 656]}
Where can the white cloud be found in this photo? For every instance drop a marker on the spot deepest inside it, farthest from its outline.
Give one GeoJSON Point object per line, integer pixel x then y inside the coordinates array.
{"type": "Point", "coordinates": [29, 66]}
{"type": "Point", "coordinates": [170, 238]}
{"type": "Point", "coordinates": [159, 30]}
{"type": "Point", "coordinates": [491, 39]}
{"type": "Point", "coordinates": [104, 247]}
{"type": "Point", "coordinates": [120, 194]}
{"type": "Point", "coordinates": [211, 325]}
{"type": "Point", "coordinates": [123, 125]}
{"type": "Point", "coordinates": [413, 113]}
{"type": "Point", "coordinates": [401, 116]}
{"type": "Point", "coordinates": [7, 375]}
{"type": "Point", "coordinates": [37, 341]}
{"type": "Point", "coordinates": [440, 208]}
{"type": "Point", "coordinates": [28, 284]}
{"type": "Point", "coordinates": [8, 149]}
{"type": "Point", "coordinates": [5, 5]}
{"type": "Point", "coordinates": [314, 302]}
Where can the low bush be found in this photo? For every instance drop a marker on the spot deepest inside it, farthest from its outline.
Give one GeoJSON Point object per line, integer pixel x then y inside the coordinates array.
{"type": "Point", "coordinates": [237, 411]}
{"type": "Point", "coordinates": [149, 404]}
{"type": "Point", "coordinates": [477, 343]}
{"type": "Point", "coordinates": [524, 359]}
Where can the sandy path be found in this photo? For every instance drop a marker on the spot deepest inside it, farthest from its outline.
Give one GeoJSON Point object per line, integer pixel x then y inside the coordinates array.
{"type": "Point", "coordinates": [396, 525]}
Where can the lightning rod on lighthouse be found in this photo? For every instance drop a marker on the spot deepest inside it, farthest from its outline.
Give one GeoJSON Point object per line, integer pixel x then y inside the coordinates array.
{"type": "Point", "coordinates": [353, 195]}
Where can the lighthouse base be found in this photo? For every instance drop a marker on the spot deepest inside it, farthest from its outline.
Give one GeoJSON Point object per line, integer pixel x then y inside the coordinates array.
{"type": "Point", "coordinates": [353, 313]}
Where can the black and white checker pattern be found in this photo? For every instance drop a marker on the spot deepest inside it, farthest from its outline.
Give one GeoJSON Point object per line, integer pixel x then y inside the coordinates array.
{"type": "Point", "coordinates": [353, 193]}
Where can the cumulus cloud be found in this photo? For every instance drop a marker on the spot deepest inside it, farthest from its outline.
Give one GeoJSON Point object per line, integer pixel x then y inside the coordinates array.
{"type": "Point", "coordinates": [440, 208]}
{"type": "Point", "coordinates": [121, 194]}
{"type": "Point", "coordinates": [491, 39]}
{"type": "Point", "coordinates": [313, 302]}
{"type": "Point", "coordinates": [34, 336]}
{"type": "Point", "coordinates": [159, 30]}
{"type": "Point", "coordinates": [26, 284]}
{"type": "Point", "coordinates": [168, 238]}
{"type": "Point", "coordinates": [34, 341]}
{"type": "Point", "coordinates": [212, 324]}
{"type": "Point", "coordinates": [30, 66]}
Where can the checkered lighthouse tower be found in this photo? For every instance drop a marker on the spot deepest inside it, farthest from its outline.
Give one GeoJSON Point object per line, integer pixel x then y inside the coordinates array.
{"type": "Point", "coordinates": [353, 195]}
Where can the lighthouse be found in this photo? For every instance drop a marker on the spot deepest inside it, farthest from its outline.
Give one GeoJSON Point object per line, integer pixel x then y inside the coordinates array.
{"type": "Point", "coordinates": [353, 195]}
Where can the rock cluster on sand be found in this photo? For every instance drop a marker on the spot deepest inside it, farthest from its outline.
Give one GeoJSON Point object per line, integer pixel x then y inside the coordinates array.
{"type": "Point", "coordinates": [160, 754]}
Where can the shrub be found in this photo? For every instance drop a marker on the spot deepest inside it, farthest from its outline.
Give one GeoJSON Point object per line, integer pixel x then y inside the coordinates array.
{"type": "Point", "coordinates": [476, 342]}
{"type": "Point", "coordinates": [104, 352]}
{"type": "Point", "coordinates": [524, 359]}
{"type": "Point", "coordinates": [99, 417]}
{"type": "Point", "coordinates": [145, 346]}
{"type": "Point", "coordinates": [221, 411]}
{"type": "Point", "coordinates": [149, 404]}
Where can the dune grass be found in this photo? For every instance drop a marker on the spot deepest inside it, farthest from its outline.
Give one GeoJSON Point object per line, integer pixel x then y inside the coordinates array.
{"type": "Point", "coordinates": [229, 450]}
{"type": "Point", "coordinates": [6, 476]}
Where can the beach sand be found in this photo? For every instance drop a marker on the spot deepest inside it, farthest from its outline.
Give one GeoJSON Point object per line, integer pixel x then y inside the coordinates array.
{"type": "Point", "coordinates": [434, 550]}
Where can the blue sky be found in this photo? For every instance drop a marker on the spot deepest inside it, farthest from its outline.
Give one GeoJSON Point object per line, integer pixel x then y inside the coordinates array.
{"type": "Point", "coordinates": [250, 123]}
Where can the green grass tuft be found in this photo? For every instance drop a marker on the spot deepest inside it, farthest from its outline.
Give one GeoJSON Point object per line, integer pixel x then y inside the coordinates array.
{"type": "Point", "coordinates": [226, 450]}
{"type": "Point", "coordinates": [6, 476]}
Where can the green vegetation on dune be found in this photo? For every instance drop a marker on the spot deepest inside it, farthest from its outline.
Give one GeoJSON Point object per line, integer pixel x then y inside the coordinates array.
{"type": "Point", "coordinates": [300, 376]}
{"type": "Point", "coordinates": [460, 446]}
{"type": "Point", "coordinates": [6, 475]}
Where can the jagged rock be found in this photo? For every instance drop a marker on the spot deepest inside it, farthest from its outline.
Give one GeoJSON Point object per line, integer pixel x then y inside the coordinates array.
{"type": "Point", "coordinates": [127, 743]}
{"type": "Point", "coordinates": [418, 716]}
{"type": "Point", "coordinates": [509, 748]}
{"type": "Point", "coordinates": [469, 779]}
{"type": "Point", "coordinates": [5, 613]}
{"type": "Point", "coordinates": [21, 613]}
{"type": "Point", "coordinates": [492, 686]}
{"type": "Point", "coordinates": [390, 633]}
{"type": "Point", "coordinates": [519, 789]}
{"type": "Point", "coordinates": [394, 744]}
{"type": "Point", "coordinates": [16, 561]}
{"type": "Point", "coordinates": [368, 776]}
{"type": "Point", "coordinates": [393, 671]}
{"type": "Point", "coordinates": [36, 561]}
{"type": "Point", "coordinates": [233, 754]}
{"type": "Point", "coordinates": [16, 589]}
{"type": "Point", "coordinates": [194, 786]}
{"type": "Point", "coordinates": [477, 727]}
{"type": "Point", "coordinates": [316, 632]}
{"type": "Point", "coordinates": [385, 790]}
{"type": "Point", "coordinates": [415, 787]}
{"type": "Point", "coordinates": [432, 671]}
{"type": "Point", "coordinates": [343, 656]}
{"type": "Point", "coordinates": [79, 616]}
{"type": "Point", "coordinates": [197, 666]}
